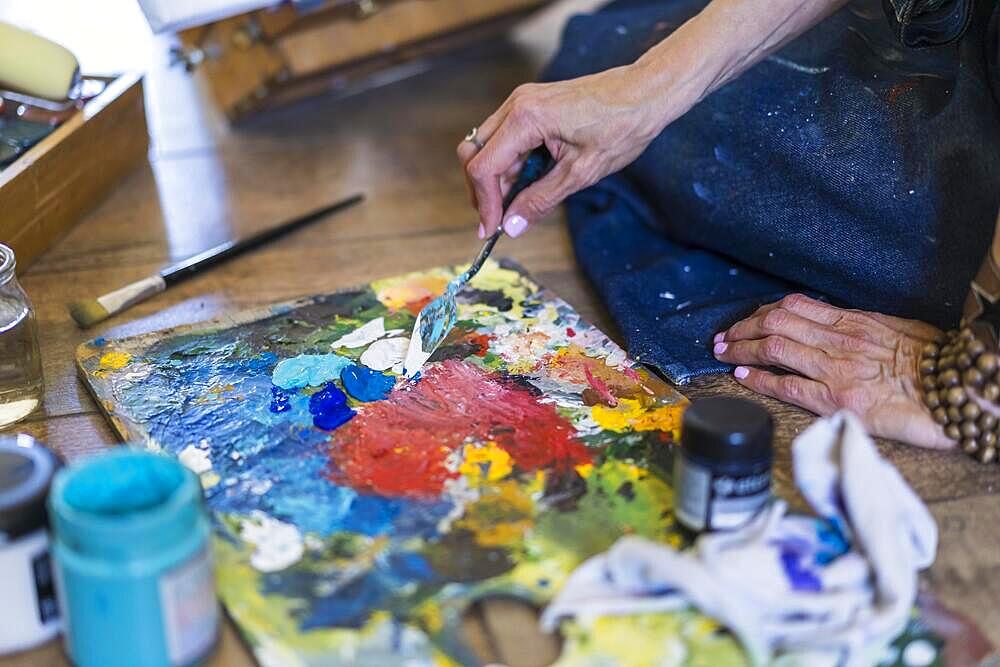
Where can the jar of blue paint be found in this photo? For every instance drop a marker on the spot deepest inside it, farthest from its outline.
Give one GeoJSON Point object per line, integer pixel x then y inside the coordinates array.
{"type": "Point", "coordinates": [133, 562]}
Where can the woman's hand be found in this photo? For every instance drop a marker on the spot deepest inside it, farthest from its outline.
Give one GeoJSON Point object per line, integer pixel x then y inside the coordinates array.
{"type": "Point", "coordinates": [592, 126]}
{"type": "Point", "coordinates": [597, 124]}
{"type": "Point", "coordinates": [837, 359]}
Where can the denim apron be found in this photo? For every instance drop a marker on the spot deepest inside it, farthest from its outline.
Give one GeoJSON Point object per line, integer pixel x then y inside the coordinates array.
{"type": "Point", "coordinates": [848, 165]}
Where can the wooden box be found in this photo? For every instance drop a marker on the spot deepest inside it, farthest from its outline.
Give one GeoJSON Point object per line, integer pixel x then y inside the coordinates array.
{"type": "Point", "coordinates": [72, 170]}
{"type": "Point", "coordinates": [269, 57]}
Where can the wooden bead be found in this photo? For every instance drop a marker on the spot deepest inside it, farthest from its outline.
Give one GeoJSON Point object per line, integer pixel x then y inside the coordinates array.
{"type": "Point", "coordinates": [973, 377]}
{"type": "Point", "coordinates": [953, 432]}
{"type": "Point", "coordinates": [987, 421]}
{"type": "Point", "coordinates": [932, 399]}
{"type": "Point", "coordinates": [966, 335]}
{"type": "Point", "coordinates": [987, 439]}
{"type": "Point", "coordinates": [987, 454]}
{"type": "Point", "coordinates": [940, 415]}
{"type": "Point", "coordinates": [930, 351]}
{"type": "Point", "coordinates": [971, 411]}
{"type": "Point", "coordinates": [946, 362]}
{"type": "Point", "coordinates": [962, 361]}
{"type": "Point", "coordinates": [988, 363]}
{"type": "Point", "coordinates": [956, 396]}
{"type": "Point", "coordinates": [969, 429]}
{"type": "Point", "coordinates": [970, 446]}
{"type": "Point", "coordinates": [928, 366]}
{"type": "Point", "coordinates": [975, 348]}
{"type": "Point", "coordinates": [929, 383]}
{"type": "Point", "coordinates": [991, 392]}
{"type": "Point", "coordinates": [954, 414]}
{"type": "Point", "coordinates": [949, 379]}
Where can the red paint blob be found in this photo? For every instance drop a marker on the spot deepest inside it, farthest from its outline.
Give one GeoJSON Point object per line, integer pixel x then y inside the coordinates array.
{"type": "Point", "coordinates": [398, 447]}
{"type": "Point", "coordinates": [482, 343]}
{"type": "Point", "coordinates": [570, 332]}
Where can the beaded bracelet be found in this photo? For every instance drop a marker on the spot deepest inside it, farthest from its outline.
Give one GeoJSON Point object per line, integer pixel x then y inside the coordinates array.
{"type": "Point", "coordinates": [948, 373]}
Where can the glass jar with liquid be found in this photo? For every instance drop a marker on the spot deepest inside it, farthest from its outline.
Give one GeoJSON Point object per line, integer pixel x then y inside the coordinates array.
{"type": "Point", "coordinates": [20, 361]}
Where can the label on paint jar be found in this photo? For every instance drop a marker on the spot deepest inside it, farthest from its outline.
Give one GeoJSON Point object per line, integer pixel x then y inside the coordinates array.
{"type": "Point", "coordinates": [718, 501]}
{"type": "Point", "coordinates": [45, 588]}
{"type": "Point", "coordinates": [190, 612]}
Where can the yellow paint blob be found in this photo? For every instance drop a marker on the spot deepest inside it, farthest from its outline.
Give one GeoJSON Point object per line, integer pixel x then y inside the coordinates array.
{"type": "Point", "coordinates": [630, 415]}
{"type": "Point", "coordinates": [412, 291]}
{"type": "Point", "coordinates": [487, 463]}
{"type": "Point", "coordinates": [115, 360]}
{"type": "Point", "coordinates": [501, 516]}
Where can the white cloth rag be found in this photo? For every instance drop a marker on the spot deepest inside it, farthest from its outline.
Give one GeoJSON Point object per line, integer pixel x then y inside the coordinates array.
{"type": "Point", "coordinates": [834, 590]}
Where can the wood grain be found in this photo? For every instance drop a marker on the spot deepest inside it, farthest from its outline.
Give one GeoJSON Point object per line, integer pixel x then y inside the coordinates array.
{"type": "Point", "coordinates": [208, 182]}
{"type": "Point", "coordinates": [68, 173]}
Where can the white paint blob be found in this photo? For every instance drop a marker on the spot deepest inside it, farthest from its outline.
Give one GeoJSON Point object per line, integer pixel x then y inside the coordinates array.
{"type": "Point", "coordinates": [415, 356]}
{"type": "Point", "coordinates": [364, 335]}
{"type": "Point", "coordinates": [386, 354]}
{"type": "Point", "coordinates": [278, 545]}
{"type": "Point", "coordinates": [195, 459]}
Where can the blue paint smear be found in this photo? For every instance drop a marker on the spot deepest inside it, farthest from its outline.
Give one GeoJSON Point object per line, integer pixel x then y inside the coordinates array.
{"type": "Point", "coordinates": [329, 408]}
{"type": "Point", "coordinates": [279, 400]}
{"type": "Point", "coordinates": [308, 370]}
{"type": "Point", "coordinates": [352, 605]}
{"type": "Point", "coordinates": [365, 384]}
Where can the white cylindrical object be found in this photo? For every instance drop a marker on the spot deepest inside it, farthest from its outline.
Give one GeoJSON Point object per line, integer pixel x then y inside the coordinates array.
{"type": "Point", "coordinates": [29, 613]}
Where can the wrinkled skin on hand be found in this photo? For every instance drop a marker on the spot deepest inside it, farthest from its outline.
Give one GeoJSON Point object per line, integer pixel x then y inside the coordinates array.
{"type": "Point", "coordinates": [837, 359]}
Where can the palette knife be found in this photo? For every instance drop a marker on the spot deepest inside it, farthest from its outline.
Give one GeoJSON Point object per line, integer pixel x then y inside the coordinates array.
{"type": "Point", "coordinates": [438, 317]}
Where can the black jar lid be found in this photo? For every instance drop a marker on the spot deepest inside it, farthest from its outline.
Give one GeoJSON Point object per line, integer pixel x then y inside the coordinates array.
{"type": "Point", "coordinates": [727, 430]}
{"type": "Point", "coordinates": [26, 472]}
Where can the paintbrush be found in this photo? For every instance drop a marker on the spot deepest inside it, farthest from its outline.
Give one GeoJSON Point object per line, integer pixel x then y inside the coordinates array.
{"type": "Point", "coordinates": [437, 318]}
{"type": "Point", "coordinates": [90, 312]}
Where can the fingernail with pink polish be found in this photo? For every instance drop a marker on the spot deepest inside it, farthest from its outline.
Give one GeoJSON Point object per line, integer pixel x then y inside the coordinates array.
{"type": "Point", "coordinates": [482, 231]}
{"type": "Point", "coordinates": [741, 372]}
{"type": "Point", "coordinates": [515, 225]}
{"type": "Point", "coordinates": [720, 348]}
{"type": "Point", "coordinates": [719, 337]}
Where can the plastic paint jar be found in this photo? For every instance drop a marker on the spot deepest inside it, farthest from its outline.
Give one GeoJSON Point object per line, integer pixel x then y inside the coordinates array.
{"type": "Point", "coordinates": [722, 474]}
{"type": "Point", "coordinates": [133, 566]}
{"type": "Point", "coordinates": [29, 612]}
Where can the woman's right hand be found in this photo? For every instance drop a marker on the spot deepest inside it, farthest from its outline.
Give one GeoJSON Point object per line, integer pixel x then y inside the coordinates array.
{"type": "Point", "coordinates": [593, 126]}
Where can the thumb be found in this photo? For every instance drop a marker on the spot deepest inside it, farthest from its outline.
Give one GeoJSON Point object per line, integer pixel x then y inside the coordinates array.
{"type": "Point", "coordinates": [538, 200]}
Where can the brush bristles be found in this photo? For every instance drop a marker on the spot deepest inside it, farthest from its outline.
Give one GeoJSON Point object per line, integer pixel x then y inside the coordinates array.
{"type": "Point", "coordinates": [88, 313]}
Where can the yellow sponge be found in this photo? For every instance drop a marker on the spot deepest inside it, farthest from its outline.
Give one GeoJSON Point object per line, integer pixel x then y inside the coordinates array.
{"type": "Point", "coordinates": [34, 65]}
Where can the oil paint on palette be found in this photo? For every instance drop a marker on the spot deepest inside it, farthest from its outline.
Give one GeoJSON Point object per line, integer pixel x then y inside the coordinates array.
{"type": "Point", "coordinates": [358, 514]}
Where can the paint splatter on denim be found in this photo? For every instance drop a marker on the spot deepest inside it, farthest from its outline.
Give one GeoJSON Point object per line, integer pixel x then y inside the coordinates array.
{"type": "Point", "coordinates": [846, 165]}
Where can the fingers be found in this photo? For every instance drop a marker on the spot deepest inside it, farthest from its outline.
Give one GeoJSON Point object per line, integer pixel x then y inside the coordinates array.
{"type": "Point", "coordinates": [777, 351]}
{"type": "Point", "coordinates": [777, 321]}
{"type": "Point", "coordinates": [539, 199]}
{"type": "Point", "coordinates": [851, 323]}
{"type": "Point", "coordinates": [515, 137]}
{"type": "Point", "coordinates": [808, 394]}
{"type": "Point", "coordinates": [468, 150]}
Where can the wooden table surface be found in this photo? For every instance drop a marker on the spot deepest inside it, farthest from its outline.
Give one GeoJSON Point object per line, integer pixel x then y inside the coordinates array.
{"type": "Point", "coordinates": [206, 183]}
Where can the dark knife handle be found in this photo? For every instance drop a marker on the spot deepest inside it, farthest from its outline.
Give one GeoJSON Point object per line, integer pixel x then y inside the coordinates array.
{"type": "Point", "coordinates": [537, 164]}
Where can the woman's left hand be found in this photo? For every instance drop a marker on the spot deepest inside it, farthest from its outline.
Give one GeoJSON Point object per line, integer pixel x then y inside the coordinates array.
{"type": "Point", "coordinates": [837, 359]}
